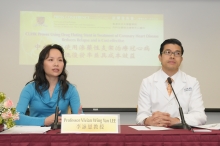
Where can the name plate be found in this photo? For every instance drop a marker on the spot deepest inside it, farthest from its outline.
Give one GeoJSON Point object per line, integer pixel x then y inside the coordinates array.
{"type": "Point", "coordinates": [90, 123]}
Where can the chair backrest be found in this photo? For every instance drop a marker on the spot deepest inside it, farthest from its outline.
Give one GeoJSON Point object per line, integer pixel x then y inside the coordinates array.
{"type": "Point", "coordinates": [27, 112]}
{"type": "Point", "coordinates": [69, 111]}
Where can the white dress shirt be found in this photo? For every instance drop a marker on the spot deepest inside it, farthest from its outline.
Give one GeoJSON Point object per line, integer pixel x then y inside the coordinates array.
{"type": "Point", "coordinates": [153, 96]}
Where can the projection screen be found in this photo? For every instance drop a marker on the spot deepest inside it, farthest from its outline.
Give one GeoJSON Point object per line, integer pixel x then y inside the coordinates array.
{"type": "Point", "coordinates": [110, 45]}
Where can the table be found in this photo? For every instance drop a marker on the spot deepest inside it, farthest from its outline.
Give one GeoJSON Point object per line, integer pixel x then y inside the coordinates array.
{"type": "Point", "coordinates": [127, 137]}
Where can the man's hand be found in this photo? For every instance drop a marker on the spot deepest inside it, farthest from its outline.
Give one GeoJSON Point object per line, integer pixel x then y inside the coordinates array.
{"type": "Point", "coordinates": [174, 121]}
{"type": "Point", "coordinates": [161, 119]}
{"type": "Point", "coordinates": [158, 119]}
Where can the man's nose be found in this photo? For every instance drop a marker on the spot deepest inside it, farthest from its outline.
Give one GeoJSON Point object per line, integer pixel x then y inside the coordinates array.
{"type": "Point", "coordinates": [172, 55]}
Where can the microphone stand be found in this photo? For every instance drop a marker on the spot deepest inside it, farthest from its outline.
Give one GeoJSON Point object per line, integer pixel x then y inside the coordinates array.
{"type": "Point", "coordinates": [183, 124]}
{"type": "Point", "coordinates": [56, 124]}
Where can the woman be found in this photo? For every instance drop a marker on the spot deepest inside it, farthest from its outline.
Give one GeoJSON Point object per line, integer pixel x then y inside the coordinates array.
{"type": "Point", "coordinates": [48, 88]}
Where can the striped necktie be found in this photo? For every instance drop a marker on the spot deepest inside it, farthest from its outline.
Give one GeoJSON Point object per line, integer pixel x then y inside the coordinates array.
{"type": "Point", "coordinates": [169, 88]}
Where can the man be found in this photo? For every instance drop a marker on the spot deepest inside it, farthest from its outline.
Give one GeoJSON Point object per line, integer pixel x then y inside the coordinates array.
{"type": "Point", "coordinates": [155, 106]}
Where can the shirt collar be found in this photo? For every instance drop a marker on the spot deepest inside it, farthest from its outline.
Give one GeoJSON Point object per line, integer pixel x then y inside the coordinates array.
{"type": "Point", "coordinates": [165, 76]}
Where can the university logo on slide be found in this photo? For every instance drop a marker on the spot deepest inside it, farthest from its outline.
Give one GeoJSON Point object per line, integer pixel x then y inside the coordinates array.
{"type": "Point", "coordinates": [40, 20]}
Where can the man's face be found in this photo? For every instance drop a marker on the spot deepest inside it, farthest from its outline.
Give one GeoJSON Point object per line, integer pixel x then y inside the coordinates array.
{"type": "Point", "coordinates": [171, 61]}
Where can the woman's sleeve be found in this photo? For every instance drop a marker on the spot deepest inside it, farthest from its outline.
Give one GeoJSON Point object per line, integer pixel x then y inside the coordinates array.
{"type": "Point", "coordinates": [74, 99]}
{"type": "Point", "coordinates": [25, 97]}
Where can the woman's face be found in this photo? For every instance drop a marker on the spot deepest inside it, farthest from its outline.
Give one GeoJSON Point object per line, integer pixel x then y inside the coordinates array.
{"type": "Point", "coordinates": [53, 63]}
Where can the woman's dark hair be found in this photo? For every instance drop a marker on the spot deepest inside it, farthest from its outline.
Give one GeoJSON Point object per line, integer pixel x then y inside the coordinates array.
{"type": "Point", "coordinates": [171, 41]}
{"type": "Point", "coordinates": [41, 83]}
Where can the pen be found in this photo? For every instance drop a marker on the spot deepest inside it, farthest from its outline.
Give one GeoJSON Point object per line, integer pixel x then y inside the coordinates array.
{"type": "Point", "coordinates": [148, 127]}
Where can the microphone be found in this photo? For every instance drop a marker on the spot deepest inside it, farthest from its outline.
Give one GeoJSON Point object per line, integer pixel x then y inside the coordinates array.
{"type": "Point", "coordinates": [57, 125]}
{"type": "Point", "coordinates": [183, 124]}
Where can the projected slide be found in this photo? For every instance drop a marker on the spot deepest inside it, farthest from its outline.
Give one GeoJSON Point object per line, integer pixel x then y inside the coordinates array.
{"type": "Point", "coordinates": [92, 38]}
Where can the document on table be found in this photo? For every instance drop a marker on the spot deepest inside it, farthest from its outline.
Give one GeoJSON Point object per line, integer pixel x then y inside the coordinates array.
{"type": "Point", "coordinates": [215, 126]}
{"type": "Point", "coordinates": [139, 128]}
{"type": "Point", "coordinates": [202, 130]}
{"type": "Point", "coordinates": [25, 130]}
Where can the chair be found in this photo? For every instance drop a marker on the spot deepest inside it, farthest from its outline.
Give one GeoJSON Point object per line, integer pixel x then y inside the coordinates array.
{"type": "Point", "coordinates": [69, 111]}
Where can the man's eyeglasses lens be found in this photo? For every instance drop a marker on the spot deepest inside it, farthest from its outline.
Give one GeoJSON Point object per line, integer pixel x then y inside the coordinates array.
{"type": "Point", "coordinates": [168, 52]}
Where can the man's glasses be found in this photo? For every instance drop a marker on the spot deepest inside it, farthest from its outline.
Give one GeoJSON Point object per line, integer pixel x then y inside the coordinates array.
{"type": "Point", "coordinates": [176, 54]}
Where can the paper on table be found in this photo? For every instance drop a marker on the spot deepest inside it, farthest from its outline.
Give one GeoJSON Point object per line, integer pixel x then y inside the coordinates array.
{"type": "Point", "coordinates": [25, 129]}
{"type": "Point", "coordinates": [139, 128]}
{"type": "Point", "coordinates": [215, 126]}
{"type": "Point", "coordinates": [202, 130]}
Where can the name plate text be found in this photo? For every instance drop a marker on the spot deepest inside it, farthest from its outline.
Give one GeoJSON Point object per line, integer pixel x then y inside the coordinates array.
{"type": "Point", "coordinates": [90, 123]}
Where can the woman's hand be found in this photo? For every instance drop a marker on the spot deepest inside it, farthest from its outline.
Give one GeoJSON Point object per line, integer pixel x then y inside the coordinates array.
{"type": "Point", "coordinates": [80, 111]}
{"type": "Point", "coordinates": [50, 119]}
